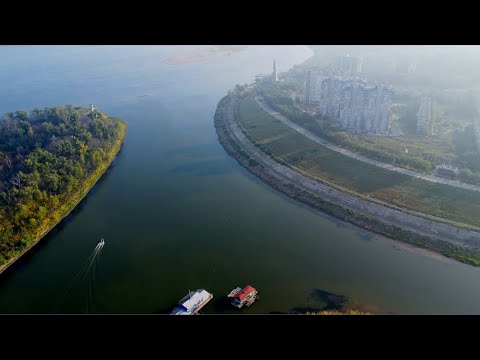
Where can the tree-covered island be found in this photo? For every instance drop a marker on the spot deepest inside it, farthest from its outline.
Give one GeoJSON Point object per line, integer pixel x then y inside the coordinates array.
{"type": "Point", "coordinates": [49, 160]}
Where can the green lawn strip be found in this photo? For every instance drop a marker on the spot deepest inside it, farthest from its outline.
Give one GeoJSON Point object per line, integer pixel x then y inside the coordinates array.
{"type": "Point", "coordinates": [456, 206]}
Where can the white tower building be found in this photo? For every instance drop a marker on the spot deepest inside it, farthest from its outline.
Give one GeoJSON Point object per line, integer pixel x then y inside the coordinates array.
{"type": "Point", "coordinates": [275, 71]}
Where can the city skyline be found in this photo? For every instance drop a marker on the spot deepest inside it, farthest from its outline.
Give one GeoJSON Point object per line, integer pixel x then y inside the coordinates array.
{"type": "Point", "coordinates": [351, 101]}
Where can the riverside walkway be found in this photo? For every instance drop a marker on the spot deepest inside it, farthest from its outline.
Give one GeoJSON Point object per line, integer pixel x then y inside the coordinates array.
{"type": "Point", "coordinates": [386, 214]}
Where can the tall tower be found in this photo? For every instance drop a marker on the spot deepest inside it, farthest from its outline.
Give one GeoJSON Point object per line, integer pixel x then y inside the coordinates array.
{"type": "Point", "coordinates": [275, 72]}
{"type": "Point", "coordinates": [312, 86]}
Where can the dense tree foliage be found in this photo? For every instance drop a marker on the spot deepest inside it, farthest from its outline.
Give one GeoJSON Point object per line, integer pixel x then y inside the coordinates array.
{"type": "Point", "coordinates": [47, 158]}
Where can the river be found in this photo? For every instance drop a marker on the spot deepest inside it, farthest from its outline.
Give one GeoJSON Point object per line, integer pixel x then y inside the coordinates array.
{"type": "Point", "coordinates": [178, 214]}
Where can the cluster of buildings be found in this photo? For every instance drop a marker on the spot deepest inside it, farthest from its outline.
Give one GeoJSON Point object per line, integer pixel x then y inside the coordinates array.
{"type": "Point", "coordinates": [424, 115]}
{"type": "Point", "coordinates": [342, 96]}
{"type": "Point", "coordinates": [447, 171]}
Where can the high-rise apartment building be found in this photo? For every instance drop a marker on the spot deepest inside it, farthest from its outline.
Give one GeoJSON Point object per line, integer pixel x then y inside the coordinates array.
{"type": "Point", "coordinates": [312, 86]}
{"type": "Point", "coordinates": [424, 115]}
{"type": "Point", "coordinates": [356, 105]}
{"type": "Point", "coordinates": [349, 65]}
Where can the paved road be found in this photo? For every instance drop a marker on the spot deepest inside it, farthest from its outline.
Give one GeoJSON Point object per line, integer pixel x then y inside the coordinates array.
{"type": "Point", "coordinates": [345, 152]}
{"type": "Point", "coordinates": [385, 214]}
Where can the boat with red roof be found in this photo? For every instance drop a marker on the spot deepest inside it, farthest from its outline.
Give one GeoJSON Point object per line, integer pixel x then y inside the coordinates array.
{"type": "Point", "coordinates": [245, 296]}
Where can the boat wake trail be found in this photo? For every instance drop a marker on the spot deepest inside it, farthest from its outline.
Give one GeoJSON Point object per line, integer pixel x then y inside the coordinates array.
{"type": "Point", "coordinates": [90, 303]}
{"type": "Point", "coordinates": [84, 273]}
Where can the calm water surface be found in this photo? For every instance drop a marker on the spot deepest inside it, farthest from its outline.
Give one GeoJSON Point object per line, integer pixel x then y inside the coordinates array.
{"type": "Point", "coordinates": [177, 213]}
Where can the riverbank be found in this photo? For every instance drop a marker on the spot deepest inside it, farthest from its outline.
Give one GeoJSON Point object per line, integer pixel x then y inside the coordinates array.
{"type": "Point", "coordinates": [433, 201]}
{"type": "Point", "coordinates": [376, 218]}
{"type": "Point", "coordinates": [76, 199]}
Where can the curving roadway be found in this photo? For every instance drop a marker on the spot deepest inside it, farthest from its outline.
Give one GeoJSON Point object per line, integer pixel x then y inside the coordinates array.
{"type": "Point", "coordinates": [416, 224]}
{"type": "Point", "coordinates": [353, 155]}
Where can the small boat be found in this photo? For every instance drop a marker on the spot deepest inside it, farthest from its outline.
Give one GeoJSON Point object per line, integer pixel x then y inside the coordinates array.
{"type": "Point", "coordinates": [245, 296]}
{"type": "Point", "coordinates": [234, 292]}
{"type": "Point", "coordinates": [102, 242]}
{"type": "Point", "coordinates": [192, 303]}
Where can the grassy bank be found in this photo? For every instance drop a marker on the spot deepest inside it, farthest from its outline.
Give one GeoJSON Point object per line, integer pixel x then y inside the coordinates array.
{"type": "Point", "coordinates": [452, 204]}
{"type": "Point", "coordinates": [465, 255]}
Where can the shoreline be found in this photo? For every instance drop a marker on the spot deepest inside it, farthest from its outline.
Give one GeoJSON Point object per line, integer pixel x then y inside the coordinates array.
{"type": "Point", "coordinates": [467, 226]}
{"type": "Point", "coordinates": [84, 193]}
{"type": "Point", "coordinates": [199, 54]}
{"type": "Point", "coordinates": [450, 249]}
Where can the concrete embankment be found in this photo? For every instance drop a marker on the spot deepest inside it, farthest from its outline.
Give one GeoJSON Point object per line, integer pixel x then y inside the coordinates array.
{"type": "Point", "coordinates": [455, 242]}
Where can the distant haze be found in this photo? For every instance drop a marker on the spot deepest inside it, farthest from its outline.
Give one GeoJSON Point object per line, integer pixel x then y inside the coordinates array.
{"type": "Point", "coordinates": [446, 66]}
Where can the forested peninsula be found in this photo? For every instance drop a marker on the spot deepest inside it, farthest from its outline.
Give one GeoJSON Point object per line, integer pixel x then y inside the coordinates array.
{"type": "Point", "coordinates": [49, 160]}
